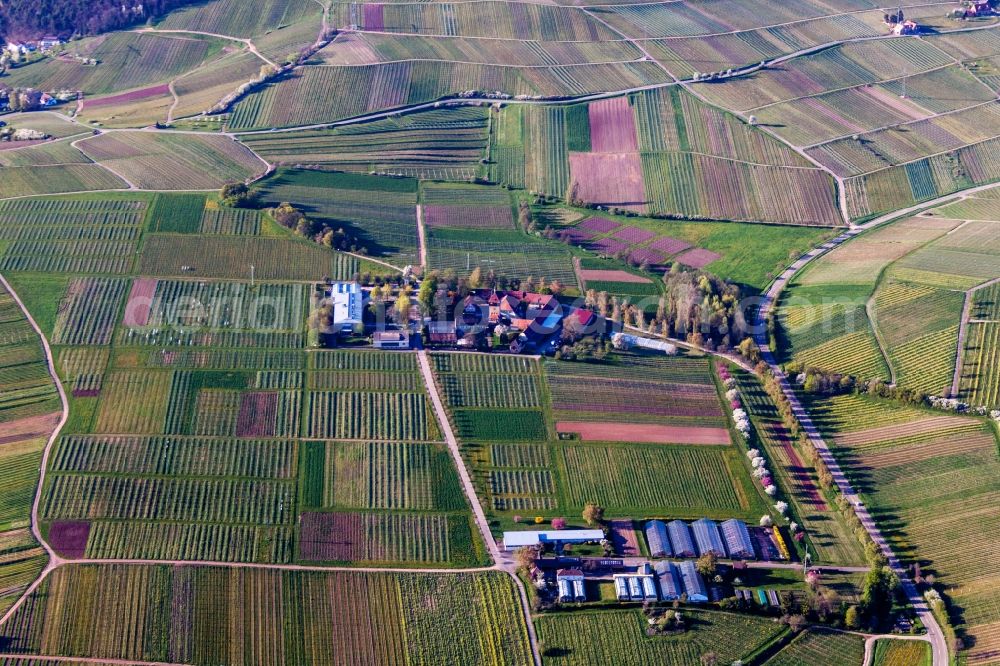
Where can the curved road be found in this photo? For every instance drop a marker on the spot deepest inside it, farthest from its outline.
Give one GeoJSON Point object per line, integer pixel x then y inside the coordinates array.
{"type": "Point", "coordinates": [54, 559]}
{"type": "Point", "coordinates": [934, 632]}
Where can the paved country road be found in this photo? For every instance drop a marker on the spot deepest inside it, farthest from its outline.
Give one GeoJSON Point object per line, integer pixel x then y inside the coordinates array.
{"type": "Point", "coordinates": [934, 632]}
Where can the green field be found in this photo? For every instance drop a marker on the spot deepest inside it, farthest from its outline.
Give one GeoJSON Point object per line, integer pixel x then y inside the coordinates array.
{"type": "Point", "coordinates": [902, 653]}
{"type": "Point", "coordinates": [879, 445]}
{"type": "Point", "coordinates": [821, 647]}
{"type": "Point", "coordinates": [417, 616]}
{"type": "Point", "coordinates": [581, 639]}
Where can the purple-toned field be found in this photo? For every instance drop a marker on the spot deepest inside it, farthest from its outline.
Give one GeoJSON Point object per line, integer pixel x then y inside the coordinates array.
{"type": "Point", "coordinates": [128, 97]}
{"type": "Point", "coordinates": [698, 258]}
{"type": "Point", "coordinates": [140, 302]}
{"type": "Point", "coordinates": [613, 179]}
{"type": "Point", "coordinates": [669, 245]}
{"type": "Point", "coordinates": [373, 17]}
{"type": "Point", "coordinates": [612, 126]}
{"type": "Point", "coordinates": [612, 276]}
{"type": "Point", "coordinates": [607, 246]}
{"type": "Point", "coordinates": [257, 415]}
{"type": "Point", "coordinates": [634, 235]}
{"type": "Point", "coordinates": [645, 255]}
{"type": "Point", "coordinates": [69, 537]}
{"type": "Point", "coordinates": [600, 225]}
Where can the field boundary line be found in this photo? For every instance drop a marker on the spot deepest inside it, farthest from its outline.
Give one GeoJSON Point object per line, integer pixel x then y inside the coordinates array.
{"type": "Point", "coordinates": [54, 560]}
{"type": "Point", "coordinates": [879, 342]}
{"type": "Point", "coordinates": [482, 64]}
{"type": "Point", "coordinates": [963, 330]}
{"type": "Point", "coordinates": [219, 564]}
{"type": "Point", "coordinates": [942, 114]}
{"type": "Point", "coordinates": [500, 562]}
{"type": "Point", "coordinates": [422, 236]}
{"type": "Point", "coordinates": [89, 660]}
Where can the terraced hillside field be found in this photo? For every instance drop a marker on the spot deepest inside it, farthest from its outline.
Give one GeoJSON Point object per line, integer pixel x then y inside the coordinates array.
{"type": "Point", "coordinates": [924, 476]}
{"type": "Point", "coordinates": [898, 298]}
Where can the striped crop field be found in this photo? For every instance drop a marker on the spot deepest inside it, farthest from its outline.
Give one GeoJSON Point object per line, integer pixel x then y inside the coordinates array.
{"type": "Point", "coordinates": [384, 476]}
{"type": "Point", "coordinates": [385, 537]}
{"type": "Point", "coordinates": [371, 618]}
{"type": "Point", "coordinates": [381, 213]}
{"type": "Point", "coordinates": [398, 84]}
{"type": "Point", "coordinates": [160, 161]}
{"type": "Point", "coordinates": [686, 481]}
{"type": "Point", "coordinates": [29, 180]}
{"type": "Point", "coordinates": [134, 401]}
{"type": "Point", "coordinates": [89, 310]}
{"type": "Point", "coordinates": [228, 257]}
{"type": "Point", "coordinates": [239, 18]}
{"type": "Point", "coordinates": [29, 411]}
{"type": "Point", "coordinates": [924, 514]}
{"type": "Point", "coordinates": [821, 647]}
{"type": "Point", "coordinates": [366, 415]}
{"type": "Point", "coordinates": [681, 393]}
{"type": "Point", "coordinates": [890, 652]}
{"type": "Point", "coordinates": [580, 639]}
{"type": "Point", "coordinates": [83, 368]}
{"type": "Point", "coordinates": [980, 380]}
{"type": "Point", "coordinates": [441, 143]}
{"type": "Point", "coordinates": [126, 60]}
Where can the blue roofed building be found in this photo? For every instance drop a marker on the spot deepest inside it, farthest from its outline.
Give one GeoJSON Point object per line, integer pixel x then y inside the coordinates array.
{"type": "Point", "coordinates": [694, 584]}
{"type": "Point", "coordinates": [737, 538]}
{"type": "Point", "coordinates": [706, 535]}
{"type": "Point", "coordinates": [680, 539]}
{"type": "Point", "coordinates": [669, 579]}
{"type": "Point", "coordinates": [658, 540]}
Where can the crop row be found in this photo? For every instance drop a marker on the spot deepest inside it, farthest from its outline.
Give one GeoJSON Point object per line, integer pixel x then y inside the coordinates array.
{"type": "Point", "coordinates": [501, 391]}
{"type": "Point", "coordinates": [588, 638]}
{"type": "Point", "coordinates": [687, 481]}
{"type": "Point", "coordinates": [175, 456]}
{"type": "Point", "coordinates": [363, 617]}
{"type": "Point", "coordinates": [89, 310]}
{"type": "Point", "coordinates": [519, 455]}
{"type": "Point", "coordinates": [231, 221]}
{"type": "Point", "coordinates": [226, 359]}
{"type": "Point", "coordinates": [228, 257]}
{"type": "Point", "coordinates": [256, 502]}
{"type": "Point", "coordinates": [393, 475]}
{"type": "Point", "coordinates": [368, 380]}
{"type": "Point", "coordinates": [84, 367]}
{"type": "Point", "coordinates": [364, 537]}
{"type": "Point", "coordinates": [128, 337]}
{"type": "Point", "coordinates": [180, 541]}
{"type": "Point", "coordinates": [366, 360]}
{"type": "Point", "coordinates": [980, 384]}
{"type": "Point", "coordinates": [362, 415]}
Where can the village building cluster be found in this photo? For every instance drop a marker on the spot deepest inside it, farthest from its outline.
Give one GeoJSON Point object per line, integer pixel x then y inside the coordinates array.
{"type": "Point", "coordinates": [483, 319]}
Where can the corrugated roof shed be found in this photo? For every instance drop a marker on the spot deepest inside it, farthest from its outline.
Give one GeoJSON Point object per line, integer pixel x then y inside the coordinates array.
{"type": "Point", "coordinates": [706, 535]}
{"type": "Point", "coordinates": [680, 538]}
{"type": "Point", "coordinates": [737, 538]}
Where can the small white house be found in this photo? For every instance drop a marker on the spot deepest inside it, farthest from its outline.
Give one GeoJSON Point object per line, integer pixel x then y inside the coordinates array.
{"type": "Point", "coordinates": [391, 340]}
